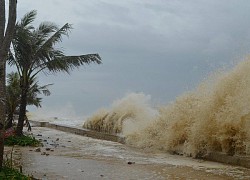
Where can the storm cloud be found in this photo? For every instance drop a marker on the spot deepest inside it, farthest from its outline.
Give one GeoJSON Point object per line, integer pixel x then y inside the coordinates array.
{"type": "Point", "coordinates": [160, 47]}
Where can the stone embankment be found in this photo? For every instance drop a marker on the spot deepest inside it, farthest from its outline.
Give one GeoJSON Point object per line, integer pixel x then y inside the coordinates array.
{"type": "Point", "coordinates": [80, 131]}
{"type": "Point", "coordinates": [243, 161]}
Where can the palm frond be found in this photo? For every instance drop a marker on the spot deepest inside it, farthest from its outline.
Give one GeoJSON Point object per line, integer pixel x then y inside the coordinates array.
{"type": "Point", "coordinates": [68, 63]}
{"type": "Point", "coordinates": [55, 38]}
{"type": "Point", "coordinates": [34, 101]}
{"type": "Point", "coordinates": [28, 18]}
{"type": "Point", "coordinates": [46, 92]}
{"type": "Point", "coordinates": [13, 78]}
{"type": "Point", "coordinates": [43, 32]}
{"type": "Point", "coordinates": [45, 89]}
{"type": "Point", "coordinates": [11, 59]}
{"type": "Point", "coordinates": [46, 28]}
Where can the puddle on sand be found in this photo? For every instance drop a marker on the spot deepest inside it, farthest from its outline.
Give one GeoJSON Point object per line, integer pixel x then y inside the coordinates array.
{"type": "Point", "coordinates": [78, 157]}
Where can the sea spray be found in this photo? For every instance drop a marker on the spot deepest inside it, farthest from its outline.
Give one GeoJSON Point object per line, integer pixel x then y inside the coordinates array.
{"type": "Point", "coordinates": [63, 115]}
{"type": "Point", "coordinates": [213, 117]}
{"type": "Point", "coordinates": [127, 115]}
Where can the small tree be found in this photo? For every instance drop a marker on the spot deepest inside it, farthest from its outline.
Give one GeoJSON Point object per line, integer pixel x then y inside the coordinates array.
{"type": "Point", "coordinates": [6, 34]}
{"type": "Point", "coordinates": [35, 52]}
{"type": "Point", "coordinates": [13, 95]}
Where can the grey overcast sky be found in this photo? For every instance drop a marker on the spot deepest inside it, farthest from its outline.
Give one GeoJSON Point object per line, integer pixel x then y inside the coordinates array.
{"type": "Point", "coordinates": [159, 47]}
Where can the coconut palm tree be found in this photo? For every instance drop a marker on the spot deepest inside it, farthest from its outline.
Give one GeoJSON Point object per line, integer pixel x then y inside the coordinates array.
{"type": "Point", "coordinates": [13, 94]}
{"type": "Point", "coordinates": [34, 51]}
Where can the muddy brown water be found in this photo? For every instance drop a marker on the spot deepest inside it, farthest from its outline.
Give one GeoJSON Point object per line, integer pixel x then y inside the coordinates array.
{"type": "Point", "coordinates": [72, 157]}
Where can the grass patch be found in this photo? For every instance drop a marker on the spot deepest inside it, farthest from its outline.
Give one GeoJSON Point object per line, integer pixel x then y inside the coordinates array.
{"type": "Point", "coordinates": [21, 141]}
{"type": "Point", "coordinates": [10, 173]}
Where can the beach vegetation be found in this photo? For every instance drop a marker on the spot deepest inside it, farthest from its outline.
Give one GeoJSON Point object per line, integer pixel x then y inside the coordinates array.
{"type": "Point", "coordinates": [23, 140]}
{"type": "Point", "coordinates": [34, 51]}
{"type": "Point", "coordinates": [11, 173]}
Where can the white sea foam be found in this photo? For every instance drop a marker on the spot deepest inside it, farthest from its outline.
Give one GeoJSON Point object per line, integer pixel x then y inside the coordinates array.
{"type": "Point", "coordinates": [127, 115]}
{"type": "Point", "coordinates": [60, 115]}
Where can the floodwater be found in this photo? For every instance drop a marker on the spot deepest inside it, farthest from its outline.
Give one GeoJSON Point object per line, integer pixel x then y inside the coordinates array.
{"type": "Point", "coordinates": [74, 157]}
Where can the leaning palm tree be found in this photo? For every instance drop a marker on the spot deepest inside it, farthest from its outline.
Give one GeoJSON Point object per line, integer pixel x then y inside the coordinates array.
{"type": "Point", "coordinates": [13, 95]}
{"type": "Point", "coordinates": [34, 52]}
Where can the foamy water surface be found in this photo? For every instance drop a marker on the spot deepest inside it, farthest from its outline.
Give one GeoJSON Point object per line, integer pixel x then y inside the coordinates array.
{"type": "Point", "coordinates": [57, 119]}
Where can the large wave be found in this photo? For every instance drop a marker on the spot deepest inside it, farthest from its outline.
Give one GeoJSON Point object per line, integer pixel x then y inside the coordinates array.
{"type": "Point", "coordinates": [127, 115]}
{"type": "Point", "coordinates": [213, 117]}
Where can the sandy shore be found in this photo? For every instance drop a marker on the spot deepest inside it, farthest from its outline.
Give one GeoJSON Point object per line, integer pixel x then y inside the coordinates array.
{"type": "Point", "coordinates": [74, 157]}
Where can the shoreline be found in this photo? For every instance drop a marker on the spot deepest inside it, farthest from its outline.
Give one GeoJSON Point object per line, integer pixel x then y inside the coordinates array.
{"type": "Point", "coordinates": [70, 156]}
{"type": "Point", "coordinates": [243, 161]}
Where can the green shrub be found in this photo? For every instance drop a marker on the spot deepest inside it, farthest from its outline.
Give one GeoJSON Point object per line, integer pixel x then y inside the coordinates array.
{"type": "Point", "coordinates": [21, 141]}
{"type": "Point", "coordinates": [10, 173]}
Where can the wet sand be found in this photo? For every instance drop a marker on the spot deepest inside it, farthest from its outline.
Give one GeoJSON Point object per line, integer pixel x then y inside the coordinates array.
{"type": "Point", "coordinates": [73, 157]}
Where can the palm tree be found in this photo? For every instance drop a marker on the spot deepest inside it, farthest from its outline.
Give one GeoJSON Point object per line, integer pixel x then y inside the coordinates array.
{"type": "Point", "coordinates": [34, 51]}
{"type": "Point", "coordinates": [7, 29]}
{"type": "Point", "coordinates": [13, 94]}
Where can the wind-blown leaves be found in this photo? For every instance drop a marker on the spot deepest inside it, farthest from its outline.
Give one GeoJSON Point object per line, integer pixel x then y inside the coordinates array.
{"type": "Point", "coordinates": [27, 20]}
{"type": "Point", "coordinates": [34, 51]}
{"type": "Point", "coordinates": [34, 48]}
{"type": "Point", "coordinates": [67, 63]}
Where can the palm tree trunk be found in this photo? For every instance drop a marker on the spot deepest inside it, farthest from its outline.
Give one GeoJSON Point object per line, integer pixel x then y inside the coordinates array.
{"type": "Point", "coordinates": [2, 79]}
{"type": "Point", "coordinates": [22, 112]}
{"type": "Point", "coordinates": [2, 107]}
{"type": "Point", "coordinates": [6, 34]}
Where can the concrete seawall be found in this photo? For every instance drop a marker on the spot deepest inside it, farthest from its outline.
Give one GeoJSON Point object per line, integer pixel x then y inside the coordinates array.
{"type": "Point", "coordinates": [80, 131]}
{"type": "Point", "coordinates": [243, 161]}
